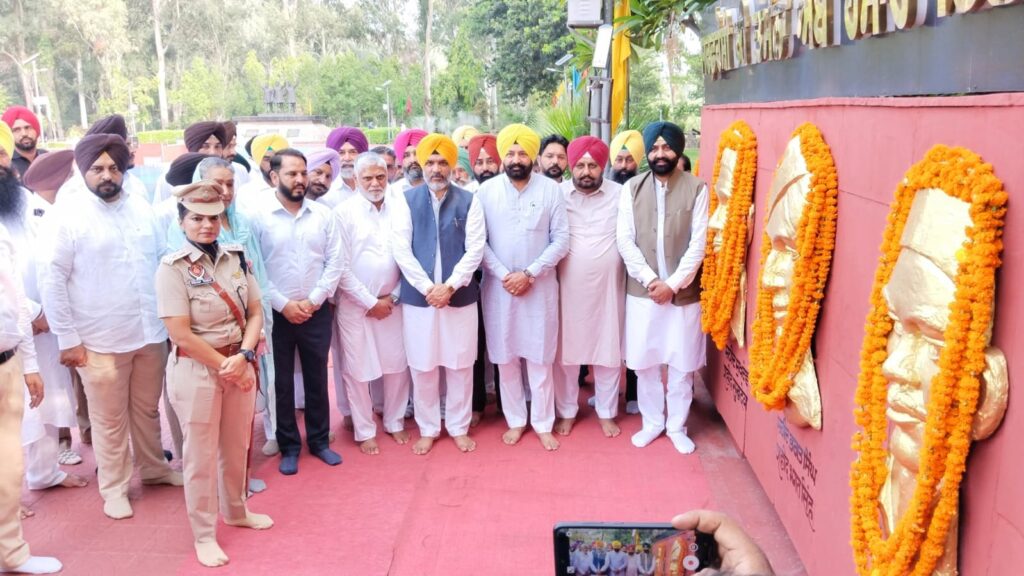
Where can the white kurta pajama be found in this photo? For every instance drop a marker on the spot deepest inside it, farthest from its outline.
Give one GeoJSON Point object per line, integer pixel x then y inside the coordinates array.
{"type": "Point", "coordinates": [370, 348]}
{"type": "Point", "coordinates": [440, 337]}
{"type": "Point", "coordinates": [526, 230]}
{"type": "Point", "coordinates": [659, 334]}
{"type": "Point", "coordinates": [592, 286]}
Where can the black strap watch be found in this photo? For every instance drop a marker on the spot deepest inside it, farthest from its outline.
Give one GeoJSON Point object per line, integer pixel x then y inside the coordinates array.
{"type": "Point", "coordinates": [250, 355]}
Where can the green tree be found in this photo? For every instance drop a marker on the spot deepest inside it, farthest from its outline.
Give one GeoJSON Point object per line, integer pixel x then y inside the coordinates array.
{"type": "Point", "coordinates": [459, 88]}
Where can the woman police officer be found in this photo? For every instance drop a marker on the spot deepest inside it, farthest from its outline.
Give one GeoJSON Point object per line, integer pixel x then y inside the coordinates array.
{"type": "Point", "coordinates": [210, 303]}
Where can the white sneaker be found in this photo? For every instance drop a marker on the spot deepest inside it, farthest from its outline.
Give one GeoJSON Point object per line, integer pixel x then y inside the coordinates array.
{"type": "Point", "coordinates": [270, 448]}
{"type": "Point", "coordinates": [682, 442]}
{"type": "Point", "coordinates": [632, 407]}
{"type": "Point", "coordinates": [36, 565]}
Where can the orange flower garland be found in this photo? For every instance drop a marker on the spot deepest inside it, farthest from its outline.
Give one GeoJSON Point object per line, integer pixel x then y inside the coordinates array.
{"type": "Point", "coordinates": [918, 541]}
{"type": "Point", "coordinates": [721, 276]}
{"type": "Point", "coordinates": [776, 359]}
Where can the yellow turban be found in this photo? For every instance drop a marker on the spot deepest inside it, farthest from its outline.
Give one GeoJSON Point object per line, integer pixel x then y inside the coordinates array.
{"type": "Point", "coordinates": [440, 144]}
{"type": "Point", "coordinates": [462, 134]}
{"type": "Point", "coordinates": [518, 134]}
{"type": "Point", "coordinates": [261, 144]}
{"type": "Point", "coordinates": [6, 138]}
{"type": "Point", "coordinates": [631, 140]}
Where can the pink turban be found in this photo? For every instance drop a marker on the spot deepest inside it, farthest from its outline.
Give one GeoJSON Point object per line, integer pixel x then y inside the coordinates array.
{"type": "Point", "coordinates": [21, 113]}
{"type": "Point", "coordinates": [584, 145]}
{"type": "Point", "coordinates": [342, 134]}
{"type": "Point", "coordinates": [405, 138]}
{"type": "Point", "coordinates": [321, 156]}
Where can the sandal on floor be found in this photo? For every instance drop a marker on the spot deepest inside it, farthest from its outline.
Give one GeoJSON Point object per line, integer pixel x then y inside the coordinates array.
{"type": "Point", "coordinates": [68, 458]}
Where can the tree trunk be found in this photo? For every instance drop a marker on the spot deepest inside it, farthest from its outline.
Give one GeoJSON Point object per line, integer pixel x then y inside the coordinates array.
{"type": "Point", "coordinates": [57, 124]}
{"type": "Point", "coordinates": [670, 57]}
{"type": "Point", "coordinates": [161, 65]}
{"type": "Point", "coordinates": [21, 56]}
{"type": "Point", "coordinates": [429, 25]}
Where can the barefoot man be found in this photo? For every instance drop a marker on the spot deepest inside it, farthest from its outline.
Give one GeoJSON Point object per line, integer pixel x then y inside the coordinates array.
{"type": "Point", "coordinates": [438, 244]}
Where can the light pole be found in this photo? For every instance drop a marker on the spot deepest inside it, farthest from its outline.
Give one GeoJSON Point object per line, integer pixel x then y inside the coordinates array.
{"type": "Point", "coordinates": [387, 96]}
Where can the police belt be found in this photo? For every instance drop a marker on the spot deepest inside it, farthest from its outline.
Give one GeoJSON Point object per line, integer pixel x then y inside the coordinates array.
{"type": "Point", "coordinates": [226, 351]}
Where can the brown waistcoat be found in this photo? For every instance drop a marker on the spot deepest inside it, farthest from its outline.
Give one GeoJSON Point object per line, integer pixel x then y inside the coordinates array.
{"type": "Point", "coordinates": [680, 196]}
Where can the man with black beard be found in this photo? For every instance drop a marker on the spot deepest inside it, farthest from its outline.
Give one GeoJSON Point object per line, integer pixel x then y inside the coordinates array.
{"type": "Point", "coordinates": [627, 151]}
{"type": "Point", "coordinates": [661, 234]}
{"type": "Point", "coordinates": [302, 253]}
{"type": "Point", "coordinates": [483, 155]}
{"type": "Point", "coordinates": [553, 160]}
{"type": "Point", "coordinates": [405, 150]}
{"type": "Point", "coordinates": [24, 126]}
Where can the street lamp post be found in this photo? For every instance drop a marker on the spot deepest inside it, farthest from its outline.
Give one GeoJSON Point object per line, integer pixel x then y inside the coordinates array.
{"type": "Point", "coordinates": [387, 96]}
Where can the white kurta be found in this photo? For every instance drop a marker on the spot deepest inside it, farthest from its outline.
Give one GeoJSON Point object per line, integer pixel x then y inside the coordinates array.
{"type": "Point", "coordinates": [659, 334]}
{"type": "Point", "coordinates": [526, 230]}
{"type": "Point", "coordinates": [592, 279]}
{"type": "Point", "coordinates": [337, 194]}
{"type": "Point", "coordinates": [370, 347]}
{"type": "Point", "coordinates": [446, 336]}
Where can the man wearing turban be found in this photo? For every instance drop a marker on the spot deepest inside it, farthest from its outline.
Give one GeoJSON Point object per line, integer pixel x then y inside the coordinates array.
{"type": "Point", "coordinates": [207, 137]}
{"type": "Point", "coordinates": [462, 172]}
{"type": "Point", "coordinates": [462, 135]}
{"type": "Point", "coordinates": [115, 125]}
{"type": "Point", "coordinates": [438, 243]}
{"type": "Point", "coordinates": [101, 304]}
{"type": "Point", "coordinates": [592, 282]}
{"type": "Point", "coordinates": [405, 151]}
{"type": "Point", "coordinates": [627, 152]}
{"type": "Point", "coordinates": [264, 147]}
{"type": "Point", "coordinates": [349, 142]}
{"type": "Point", "coordinates": [484, 157]}
{"type": "Point", "coordinates": [663, 219]}
{"type": "Point", "coordinates": [323, 169]}
{"type": "Point", "coordinates": [527, 235]}
{"type": "Point", "coordinates": [25, 129]}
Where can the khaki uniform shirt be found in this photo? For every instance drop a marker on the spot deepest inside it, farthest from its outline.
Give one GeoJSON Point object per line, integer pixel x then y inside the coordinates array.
{"type": "Point", "coordinates": [184, 288]}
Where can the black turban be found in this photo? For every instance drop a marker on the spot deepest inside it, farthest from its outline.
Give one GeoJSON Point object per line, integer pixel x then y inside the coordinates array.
{"type": "Point", "coordinates": [200, 132]}
{"type": "Point", "coordinates": [183, 167]}
{"type": "Point", "coordinates": [113, 124]}
{"type": "Point", "coordinates": [672, 134]}
{"type": "Point", "coordinates": [93, 146]}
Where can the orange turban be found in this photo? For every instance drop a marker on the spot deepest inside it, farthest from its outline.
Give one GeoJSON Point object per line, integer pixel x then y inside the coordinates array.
{"type": "Point", "coordinates": [437, 144]}
{"type": "Point", "coordinates": [483, 142]}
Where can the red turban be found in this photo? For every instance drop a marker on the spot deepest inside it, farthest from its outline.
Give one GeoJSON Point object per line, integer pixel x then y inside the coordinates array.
{"type": "Point", "coordinates": [21, 113]}
{"type": "Point", "coordinates": [407, 138]}
{"type": "Point", "coordinates": [584, 145]}
{"type": "Point", "coordinates": [486, 142]}
{"type": "Point", "coordinates": [342, 134]}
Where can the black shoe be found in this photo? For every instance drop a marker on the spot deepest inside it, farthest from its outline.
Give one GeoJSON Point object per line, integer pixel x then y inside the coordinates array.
{"type": "Point", "coordinates": [289, 464]}
{"type": "Point", "coordinates": [330, 457]}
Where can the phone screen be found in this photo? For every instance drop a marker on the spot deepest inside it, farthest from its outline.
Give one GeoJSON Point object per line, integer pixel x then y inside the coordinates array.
{"type": "Point", "coordinates": [613, 549]}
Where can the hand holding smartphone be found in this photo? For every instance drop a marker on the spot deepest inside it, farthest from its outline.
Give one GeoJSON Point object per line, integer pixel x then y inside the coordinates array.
{"type": "Point", "coordinates": [618, 549]}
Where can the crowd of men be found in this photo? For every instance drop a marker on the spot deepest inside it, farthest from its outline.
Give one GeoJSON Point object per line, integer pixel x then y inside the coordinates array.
{"type": "Point", "coordinates": [424, 274]}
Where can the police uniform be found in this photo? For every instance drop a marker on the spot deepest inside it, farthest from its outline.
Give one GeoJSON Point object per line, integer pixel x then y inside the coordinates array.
{"type": "Point", "coordinates": [216, 415]}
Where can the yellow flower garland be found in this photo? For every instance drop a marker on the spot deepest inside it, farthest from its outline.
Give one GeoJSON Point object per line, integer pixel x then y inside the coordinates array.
{"type": "Point", "coordinates": [776, 359]}
{"type": "Point", "coordinates": [918, 541]}
{"type": "Point", "coordinates": [720, 278]}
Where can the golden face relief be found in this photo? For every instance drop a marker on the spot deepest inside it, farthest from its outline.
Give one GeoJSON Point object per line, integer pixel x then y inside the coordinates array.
{"type": "Point", "coordinates": [788, 196]}
{"type": "Point", "coordinates": [723, 190]}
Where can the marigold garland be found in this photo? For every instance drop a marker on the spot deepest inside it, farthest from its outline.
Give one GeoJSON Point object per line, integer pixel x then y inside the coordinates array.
{"type": "Point", "coordinates": [918, 541]}
{"type": "Point", "coordinates": [720, 279]}
{"type": "Point", "coordinates": [775, 359]}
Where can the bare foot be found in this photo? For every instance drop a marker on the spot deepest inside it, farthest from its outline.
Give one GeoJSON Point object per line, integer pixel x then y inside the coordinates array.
{"type": "Point", "coordinates": [475, 419]}
{"type": "Point", "coordinates": [369, 446]}
{"type": "Point", "coordinates": [74, 481]}
{"type": "Point", "coordinates": [423, 445]}
{"type": "Point", "coordinates": [25, 512]}
{"type": "Point", "coordinates": [564, 426]}
{"type": "Point", "coordinates": [400, 437]}
{"type": "Point", "coordinates": [465, 443]}
{"type": "Point", "coordinates": [347, 423]}
{"type": "Point", "coordinates": [252, 520]}
{"type": "Point", "coordinates": [210, 554]}
{"type": "Point", "coordinates": [610, 428]}
{"type": "Point", "coordinates": [548, 441]}
{"type": "Point", "coordinates": [512, 436]}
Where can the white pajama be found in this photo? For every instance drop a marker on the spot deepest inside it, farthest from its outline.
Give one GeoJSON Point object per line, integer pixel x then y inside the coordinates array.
{"type": "Point", "coordinates": [41, 468]}
{"type": "Point", "coordinates": [458, 403]}
{"type": "Point", "coordinates": [513, 397]}
{"type": "Point", "coordinates": [652, 398]}
{"type": "Point", "coordinates": [606, 390]}
{"type": "Point", "coordinates": [395, 389]}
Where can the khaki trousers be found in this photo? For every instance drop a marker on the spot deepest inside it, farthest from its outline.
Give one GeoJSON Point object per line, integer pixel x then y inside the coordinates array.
{"type": "Point", "coordinates": [124, 391]}
{"type": "Point", "coordinates": [13, 548]}
{"type": "Point", "coordinates": [216, 419]}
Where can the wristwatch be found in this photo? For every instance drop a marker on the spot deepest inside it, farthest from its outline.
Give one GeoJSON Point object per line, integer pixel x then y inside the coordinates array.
{"type": "Point", "coordinates": [394, 299]}
{"type": "Point", "coordinates": [250, 356]}
{"type": "Point", "coordinates": [529, 275]}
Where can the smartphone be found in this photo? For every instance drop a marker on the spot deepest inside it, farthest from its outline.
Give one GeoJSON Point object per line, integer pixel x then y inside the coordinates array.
{"type": "Point", "coordinates": [606, 548]}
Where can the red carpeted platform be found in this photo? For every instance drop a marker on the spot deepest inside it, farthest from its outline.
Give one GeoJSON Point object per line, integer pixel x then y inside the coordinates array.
{"type": "Point", "coordinates": [447, 513]}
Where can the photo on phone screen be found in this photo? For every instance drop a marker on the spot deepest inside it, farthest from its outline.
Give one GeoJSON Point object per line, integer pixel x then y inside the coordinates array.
{"type": "Point", "coordinates": [616, 549]}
